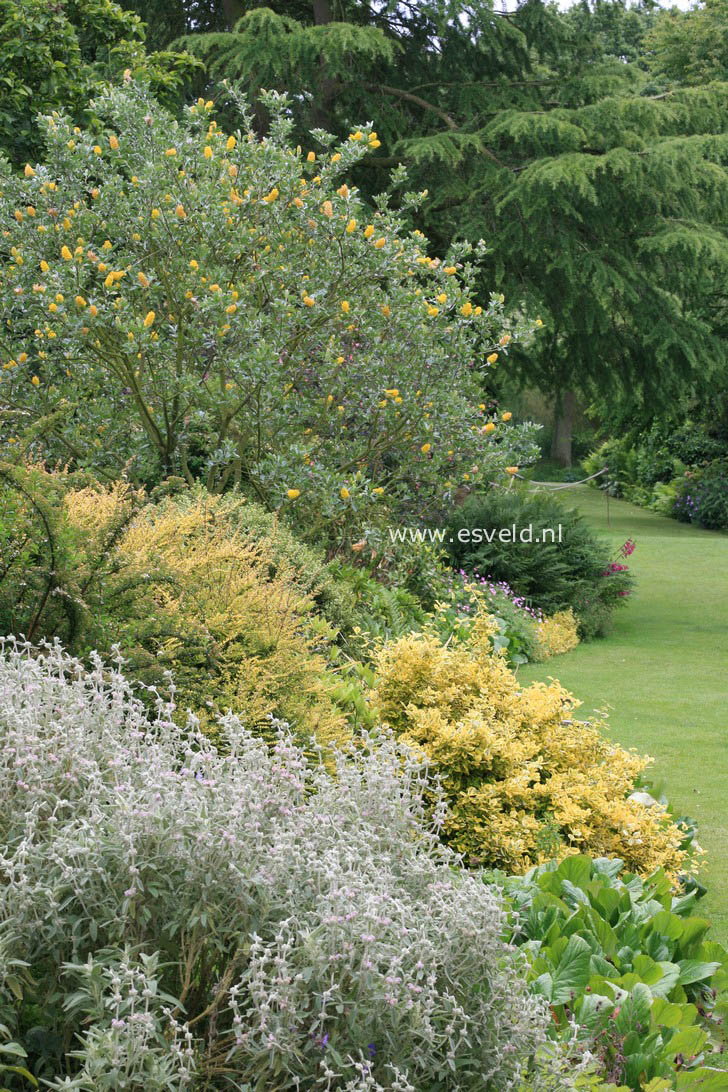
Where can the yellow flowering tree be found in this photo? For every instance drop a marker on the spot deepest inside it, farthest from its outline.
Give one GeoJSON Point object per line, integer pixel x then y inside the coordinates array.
{"type": "Point", "coordinates": [188, 301]}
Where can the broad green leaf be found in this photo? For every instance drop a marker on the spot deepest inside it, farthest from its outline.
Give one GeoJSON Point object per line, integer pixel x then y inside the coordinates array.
{"type": "Point", "coordinates": [572, 972]}
{"type": "Point", "coordinates": [577, 870]}
{"type": "Point", "coordinates": [634, 1012]}
{"type": "Point", "coordinates": [695, 970]}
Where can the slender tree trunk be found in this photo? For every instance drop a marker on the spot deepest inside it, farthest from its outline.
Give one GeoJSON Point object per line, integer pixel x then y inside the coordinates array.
{"type": "Point", "coordinates": [564, 415]}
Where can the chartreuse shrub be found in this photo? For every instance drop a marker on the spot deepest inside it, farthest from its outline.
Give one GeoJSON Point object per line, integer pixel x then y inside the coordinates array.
{"type": "Point", "coordinates": [177, 916]}
{"type": "Point", "coordinates": [227, 308]}
{"type": "Point", "coordinates": [212, 588]}
{"type": "Point", "coordinates": [627, 961]}
{"type": "Point", "coordinates": [525, 780]}
{"type": "Point", "coordinates": [554, 561]}
{"type": "Point", "coordinates": [557, 634]}
{"type": "Point", "coordinates": [226, 613]}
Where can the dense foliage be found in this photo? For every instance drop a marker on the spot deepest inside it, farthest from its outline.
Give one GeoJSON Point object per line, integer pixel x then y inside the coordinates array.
{"type": "Point", "coordinates": [524, 778]}
{"type": "Point", "coordinates": [58, 56]}
{"type": "Point", "coordinates": [181, 917]}
{"type": "Point", "coordinates": [544, 550]}
{"type": "Point", "coordinates": [629, 961]}
{"type": "Point", "coordinates": [678, 470]}
{"type": "Point", "coordinates": [587, 147]}
{"type": "Point", "coordinates": [158, 315]}
{"type": "Point", "coordinates": [239, 388]}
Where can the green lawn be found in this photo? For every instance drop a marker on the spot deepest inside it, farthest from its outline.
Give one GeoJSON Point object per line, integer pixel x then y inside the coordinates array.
{"type": "Point", "coordinates": [663, 671]}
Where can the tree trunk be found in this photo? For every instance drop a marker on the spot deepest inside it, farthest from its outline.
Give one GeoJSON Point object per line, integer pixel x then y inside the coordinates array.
{"type": "Point", "coordinates": [564, 414]}
{"type": "Point", "coordinates": [326, 91]}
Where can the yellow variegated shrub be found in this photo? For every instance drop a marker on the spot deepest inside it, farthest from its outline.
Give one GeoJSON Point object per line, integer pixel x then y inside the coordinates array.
{"type": "Point", "coordinates": [525, 780]}
{"type": "Point", "coordinates": [556, 634]}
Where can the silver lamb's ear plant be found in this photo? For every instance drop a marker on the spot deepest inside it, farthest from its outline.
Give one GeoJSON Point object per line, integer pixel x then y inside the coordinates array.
{"type": "Point", "coordinates": [195, 918]}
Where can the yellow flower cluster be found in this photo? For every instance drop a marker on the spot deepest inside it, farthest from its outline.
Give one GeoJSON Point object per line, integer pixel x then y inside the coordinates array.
{"type": "Point", "coordinates": [515, 763]}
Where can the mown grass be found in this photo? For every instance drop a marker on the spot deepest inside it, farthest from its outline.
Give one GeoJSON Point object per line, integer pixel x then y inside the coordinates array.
{"type": "Point", "coordinates": [663, 671]}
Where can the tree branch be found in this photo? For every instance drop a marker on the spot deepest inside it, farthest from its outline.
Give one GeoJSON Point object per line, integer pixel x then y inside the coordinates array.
{"type": "Point", "coordinates": [402, 94]}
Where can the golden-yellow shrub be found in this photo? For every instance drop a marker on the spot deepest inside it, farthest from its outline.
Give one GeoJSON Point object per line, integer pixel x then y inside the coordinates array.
{"type": "Point", "coordinates": [525, 780]}
{"type": "Point", "coordinates": [201, 598]}
{"type": "Point", "coordinates": [557, 633]}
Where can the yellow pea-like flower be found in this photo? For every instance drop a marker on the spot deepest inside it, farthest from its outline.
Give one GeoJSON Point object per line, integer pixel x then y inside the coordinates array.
{"type": "Point", "coordinates": [343, 190]}
{"type": "Point", "coordinates": [344, 493]}
{"type": "Point", "coordinates": [28, 172]}
{"type": "Point", "coordinates": [180, 211]}
{"type": "Point", "coordinates": [345, 306]}
{"type": "Point", "coordinates": [507, 416]}
{"type": "Point", "coordinates": [380, 243]}
{"type": "Point", "coordinates": [208, 152]}
{"type": "Point", "coordinates": [309, 302]}
{"type": "Point", "coordinates": [467, 309]}
{"type": "Point", "coordinates": [149, 319]}
{"type": "Point", "coordinates": [44, 265]}
{"type": "Point", "coordinates": [143, 279]}
{"type": "Point", "coordinates": [490, 427]}
{"type": "Point", "coordinates": [311, 157]}
{"type": "Point", "coordinates": [35, 381]}
{"type": "Point", "coordinates": [492, 358]}
{"type": "Point", "coordinates": [113, 143]}
{"type": "Point", "coordinates": [351, 227]}
{"type": "Point", "coordinates": [109, 280]}
{"type": "Point", "coordinates": [80, 301]}
{"type": "Point", "coordinates": [327, 209]}
{"type": "Point", "coordinates": [66, 254]}
{"type": "Point", "coordinates": [442, 298]}
{"type": "Point", "coordinates": [230, 143]}
{"type": "Point", "coordinates": [368, 231]}
{"type": "Point", "coordinates": [293, 493]}
{"type": "Point", "coordinates": [97, 149]}
{"type": "Point", "coordinates": [170, 152]}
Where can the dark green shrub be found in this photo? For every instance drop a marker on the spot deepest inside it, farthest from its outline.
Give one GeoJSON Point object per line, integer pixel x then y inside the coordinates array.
{"type": "Point", "coordinates": [702, 496]}
{"type": "Point", "coordinates": [574, 570]}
